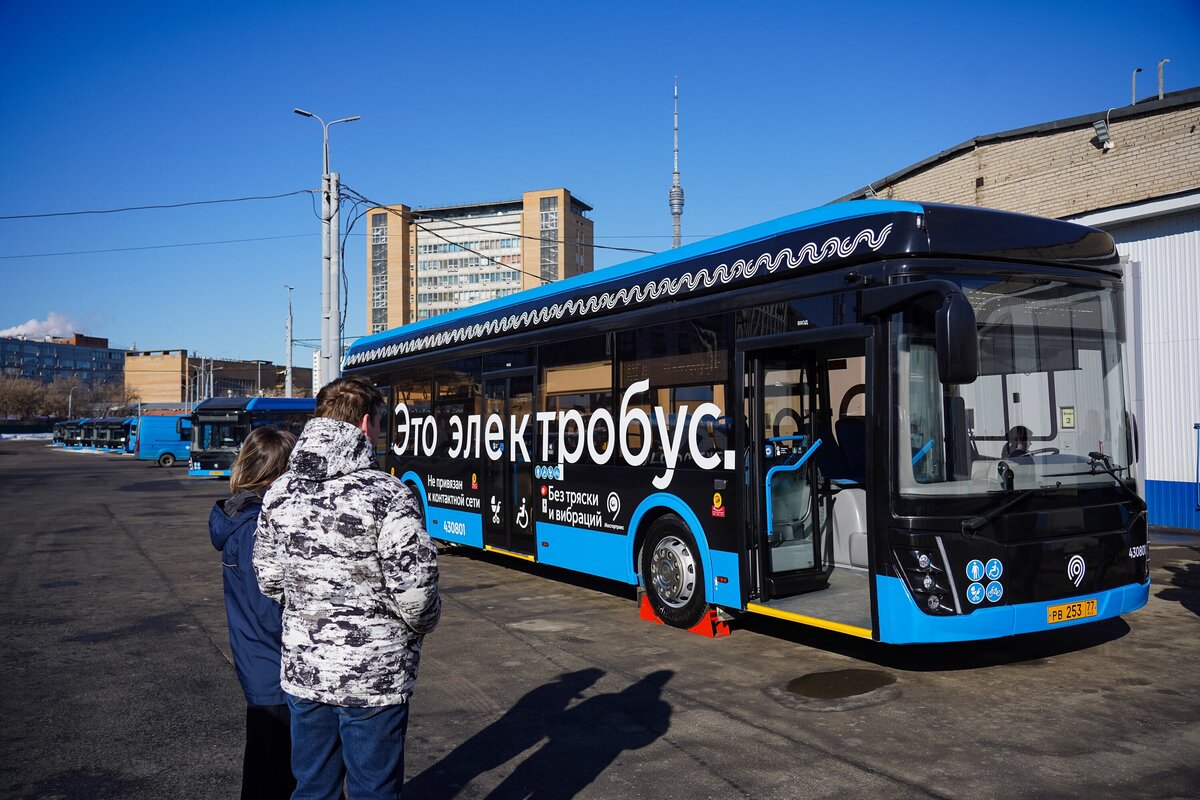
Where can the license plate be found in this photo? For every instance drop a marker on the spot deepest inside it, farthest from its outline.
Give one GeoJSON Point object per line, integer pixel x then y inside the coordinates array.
{"type": "Point", "coordinates": [216, 472]}
{"type": "Point", "coordinates": [1080, 609]}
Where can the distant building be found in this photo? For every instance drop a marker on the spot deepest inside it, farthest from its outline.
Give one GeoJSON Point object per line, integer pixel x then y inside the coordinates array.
{"type": "Point", "coordinates": [172, 376]}
{"type": "Point", "coordinates": [1134, 172]}
{"type": "Point", "coordinates": [426, 262]}
{"type": "Point", "coordinates": [88, 358]}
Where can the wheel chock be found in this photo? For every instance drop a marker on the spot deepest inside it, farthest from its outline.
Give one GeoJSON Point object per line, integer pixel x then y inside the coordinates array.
{"type": "Point", "coordinates": [710, 625]}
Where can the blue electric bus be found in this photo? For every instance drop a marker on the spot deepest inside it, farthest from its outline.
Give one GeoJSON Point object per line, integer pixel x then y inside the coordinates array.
{"type": "Point", "coordinates": [816, 419]}
{"type": "Point", "coordinates": [60, 430]}
{"type": "Point", "coordinates": [221, 424]}
{"type": "Point", "coordinates": [73, 433]}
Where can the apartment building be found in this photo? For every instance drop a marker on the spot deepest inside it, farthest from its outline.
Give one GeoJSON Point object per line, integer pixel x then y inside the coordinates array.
{"type": "Point", "coordinates": [88, 358]}
{"type": "Point", "coordinates": [429, 261]}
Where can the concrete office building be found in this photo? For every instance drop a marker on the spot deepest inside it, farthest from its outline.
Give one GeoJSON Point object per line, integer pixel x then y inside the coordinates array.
{"type": "Point", "coordinates": [172, 376]}
{"type": "Point", "coordinates": [1134, 172]}
{"type": "Point", "coordinates": [88, 358]}
{"type": "Point", "coordinates": [429, 261]}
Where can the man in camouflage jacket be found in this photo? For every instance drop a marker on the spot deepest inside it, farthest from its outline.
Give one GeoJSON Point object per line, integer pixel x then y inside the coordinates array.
{"type": "Point", "coordinates": [341, 546]}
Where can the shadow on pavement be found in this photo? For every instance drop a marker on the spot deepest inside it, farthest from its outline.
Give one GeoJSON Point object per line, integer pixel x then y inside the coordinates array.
{"type": "Point", "coordinates": [577, 743]}
{"type": "Point", "coordinates": [1030, 649]}
{"type": "Point", "coordinates": [1185, 586]}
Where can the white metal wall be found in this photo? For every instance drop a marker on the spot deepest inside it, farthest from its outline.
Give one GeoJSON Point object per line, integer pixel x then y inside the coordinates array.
{"type": "Point", "coordinates": [1165, 253]}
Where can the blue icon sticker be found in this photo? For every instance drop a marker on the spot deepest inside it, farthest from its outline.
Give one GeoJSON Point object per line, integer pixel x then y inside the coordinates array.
{"type": "Point", "coordinates": [994, 569]}
{"type": "Point", "coordinates": [975, 593]}
{"type": "Point", "coordinates": [995, 591]}
{"type": "Point", "coordinates": [769, 451]}
{"type": "Point", "coordinates": [975, 570]}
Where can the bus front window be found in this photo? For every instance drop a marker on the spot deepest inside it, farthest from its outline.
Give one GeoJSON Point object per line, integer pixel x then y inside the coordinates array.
{"type": "Point", "coordinates": [218, 435]}
{"type": "Point", "coordinates": [1050, 392]}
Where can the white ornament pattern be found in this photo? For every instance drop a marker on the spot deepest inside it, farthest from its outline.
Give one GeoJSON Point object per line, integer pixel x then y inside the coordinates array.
{"type": "Point", "coordinates": [638, 294]}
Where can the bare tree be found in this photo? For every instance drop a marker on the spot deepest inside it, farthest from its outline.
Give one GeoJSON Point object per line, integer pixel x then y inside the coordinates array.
{"type": "Point", "coordinates": [20, 398]}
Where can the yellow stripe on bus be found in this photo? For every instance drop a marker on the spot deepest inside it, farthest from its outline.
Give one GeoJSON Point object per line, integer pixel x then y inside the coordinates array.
{"type": "Point", "coordinates": [521, 556]}
{"type": "Point", "coordinates": [853, 630]}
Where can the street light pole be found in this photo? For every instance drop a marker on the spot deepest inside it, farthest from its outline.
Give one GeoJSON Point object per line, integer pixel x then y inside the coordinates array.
{"type": "Point", "coordinates": [331, 322]}
{"type": "Point", "coordinates": [73, 388]}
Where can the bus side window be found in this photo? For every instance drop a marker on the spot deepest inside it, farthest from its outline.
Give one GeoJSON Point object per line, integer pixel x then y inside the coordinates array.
{"type": "Point", "coordinates": [686, 364]}
{"type": "Point", "coordinates": [577, 376]}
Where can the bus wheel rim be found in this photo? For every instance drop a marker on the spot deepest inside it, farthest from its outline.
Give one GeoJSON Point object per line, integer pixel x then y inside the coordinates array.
{"type": "Point", "coordinates": [673, 572]}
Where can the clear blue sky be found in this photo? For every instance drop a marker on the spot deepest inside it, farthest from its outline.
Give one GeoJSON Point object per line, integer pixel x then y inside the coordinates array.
{"type": "Point", "coordinates": [783, 106]}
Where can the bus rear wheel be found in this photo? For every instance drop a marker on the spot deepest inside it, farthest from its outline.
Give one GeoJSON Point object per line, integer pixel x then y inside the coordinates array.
{"type": "Point", "coordinates": [166, 460]}
{"type": "Point", "coordinates": [672, 573]}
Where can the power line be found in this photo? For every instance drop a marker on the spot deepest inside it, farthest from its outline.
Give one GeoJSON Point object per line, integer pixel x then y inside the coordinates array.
{"type": "Point", "coordinates": [413, 216]}
{"type": "Point", "coordinates": [160, 246]}
{"type": "Point", "coordinates": [161, 205]}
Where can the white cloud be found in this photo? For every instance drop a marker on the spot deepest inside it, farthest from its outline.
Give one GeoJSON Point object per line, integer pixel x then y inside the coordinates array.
{"type": "Point", "coordinates": [55, 324]}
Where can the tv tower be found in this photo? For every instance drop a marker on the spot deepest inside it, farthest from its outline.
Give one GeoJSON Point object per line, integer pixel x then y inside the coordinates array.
{"type": "Point", "coordinates": [676, 193]}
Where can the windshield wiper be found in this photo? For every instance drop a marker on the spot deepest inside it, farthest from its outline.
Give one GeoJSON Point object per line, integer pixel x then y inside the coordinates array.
{"type": "Point", "coordinates": [972, 526]}
{"type": "Point", "coordinates": [1101, 464]}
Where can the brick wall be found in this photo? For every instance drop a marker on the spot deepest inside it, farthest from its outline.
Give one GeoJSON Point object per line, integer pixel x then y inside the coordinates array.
{"type": "Point", "coordinates": [1062, 173]}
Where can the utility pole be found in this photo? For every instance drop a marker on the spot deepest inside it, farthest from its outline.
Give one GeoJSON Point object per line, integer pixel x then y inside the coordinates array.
{"type": "Point", "coordinates": [335, 276]}
{"type": "Point", "coordinates": [287, 379]}
{"type": "Point", "coordinates": [331, 316]}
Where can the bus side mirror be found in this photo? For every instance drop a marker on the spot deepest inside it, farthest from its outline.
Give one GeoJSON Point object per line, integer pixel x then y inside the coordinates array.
{"type": "Point", "coordinates": [957, 341]}
{"type": "Point", "coordinates": [957, 338]}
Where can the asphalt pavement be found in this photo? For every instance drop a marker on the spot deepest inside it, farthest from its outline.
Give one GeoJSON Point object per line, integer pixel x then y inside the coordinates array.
{"type": "Point", "coordinates": [543, 684]}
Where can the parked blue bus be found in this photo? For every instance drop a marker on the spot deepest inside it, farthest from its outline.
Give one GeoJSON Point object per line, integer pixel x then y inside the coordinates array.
{"type": "Point", "coordinates": [88, 433]}
{"type": "Point", "coordinates": [220, 425]}
{"type": "Point", "coordinates": [73, 433]}
{"type": "Point", "coordinates": [816, 419]}
{"type": "Point", "coordinates": [165, 439]}
{"type": "Point", "coordinates": [110, 434]}
{"type": "Point", "coordinates": [60, 431]}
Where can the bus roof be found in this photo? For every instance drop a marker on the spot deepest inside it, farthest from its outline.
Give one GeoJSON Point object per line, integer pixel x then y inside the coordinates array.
{"type": "Point", "coordinates": [257, 404]}
{"type": "Point", "coordinates": [829, 237]}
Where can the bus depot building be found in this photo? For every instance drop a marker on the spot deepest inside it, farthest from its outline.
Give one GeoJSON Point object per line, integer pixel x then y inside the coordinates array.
{"type": "Point", "coordinates": [173, 376]}
{"type": "Point", "coordinates": [1133, 172]}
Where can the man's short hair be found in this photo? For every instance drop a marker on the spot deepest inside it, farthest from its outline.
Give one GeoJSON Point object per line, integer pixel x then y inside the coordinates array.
{"type": "Point", "coordinates": [349, 400]}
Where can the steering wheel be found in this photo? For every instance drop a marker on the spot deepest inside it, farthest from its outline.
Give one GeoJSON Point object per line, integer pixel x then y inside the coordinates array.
{"type": "Point", "coordinates": [1043, 451]}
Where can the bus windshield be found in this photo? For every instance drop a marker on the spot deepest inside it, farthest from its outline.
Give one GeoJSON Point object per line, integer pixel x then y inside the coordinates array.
{"type": "Point", "coordinates": [223, 435]}
{"type": "Point", "coordinates": [1049, 398]}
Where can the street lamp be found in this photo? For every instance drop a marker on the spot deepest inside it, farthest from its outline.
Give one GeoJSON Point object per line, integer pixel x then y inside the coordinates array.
{"type": "Point", "coordinates": [73, 388]}
{"type": "Point", "coordinates": [331, 323]}
{"type": "Point", "coordinates": [325, 127]}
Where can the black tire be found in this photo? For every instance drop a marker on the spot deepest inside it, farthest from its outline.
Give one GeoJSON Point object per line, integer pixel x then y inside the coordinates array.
{"type": "Point", "coordinates": [672, 573]}
{"type": "Point", "coordinates": [166, 460]}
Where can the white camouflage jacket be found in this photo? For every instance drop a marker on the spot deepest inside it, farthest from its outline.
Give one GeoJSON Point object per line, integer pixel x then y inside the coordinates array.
{"type": "Point", "coordinates": [341, 547]}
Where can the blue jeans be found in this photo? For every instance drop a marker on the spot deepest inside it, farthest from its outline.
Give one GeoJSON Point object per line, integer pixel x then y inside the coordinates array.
{"type": "Point", "coordinates": [364, 746]}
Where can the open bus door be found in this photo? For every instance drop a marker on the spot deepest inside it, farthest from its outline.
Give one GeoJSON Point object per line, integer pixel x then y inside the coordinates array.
{"type": "Point", "coordinates": [805, 399]}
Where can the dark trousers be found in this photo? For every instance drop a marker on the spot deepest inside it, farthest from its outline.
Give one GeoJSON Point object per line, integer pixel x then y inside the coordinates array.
{"type": "Point", "coordinates": [362, 746]}
{"type": "Point", "coordinates": [267, 764]}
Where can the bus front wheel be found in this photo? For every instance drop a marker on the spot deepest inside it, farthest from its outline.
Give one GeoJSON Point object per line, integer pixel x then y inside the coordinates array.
{"type": "Point", "coordinates": [672, 573]}
{"type": "Point", "coordinates": [166, 460]}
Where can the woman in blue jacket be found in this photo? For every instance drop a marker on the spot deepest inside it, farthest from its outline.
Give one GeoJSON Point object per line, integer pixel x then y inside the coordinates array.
{"type": "Point", "coordinates": [255, 621]}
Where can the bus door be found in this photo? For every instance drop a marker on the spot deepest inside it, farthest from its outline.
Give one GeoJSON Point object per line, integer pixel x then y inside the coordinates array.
{"type": "Point", "coordinates": [805, 399]}
{"type": "Point", "coordinates": [508, 501]}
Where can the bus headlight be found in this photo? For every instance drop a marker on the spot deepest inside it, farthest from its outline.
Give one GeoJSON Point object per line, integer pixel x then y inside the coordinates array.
{"type": "Point", "coordinates": [925, 575]}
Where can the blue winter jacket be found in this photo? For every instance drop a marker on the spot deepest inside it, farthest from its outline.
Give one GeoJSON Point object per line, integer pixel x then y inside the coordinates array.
{"type": "Point", "coordinates": [255, 620]}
